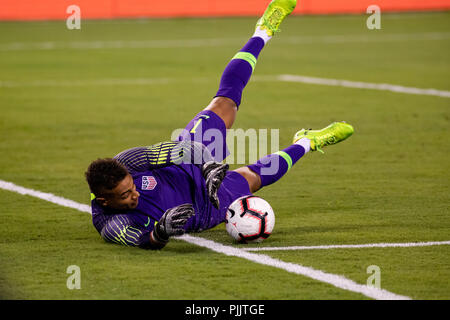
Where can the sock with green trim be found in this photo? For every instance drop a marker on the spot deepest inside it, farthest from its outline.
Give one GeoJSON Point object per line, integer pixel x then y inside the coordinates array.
{"type": "Point", "coordinates": [274, 166]}
{"type": "Point", "coordinates": [239, 70]}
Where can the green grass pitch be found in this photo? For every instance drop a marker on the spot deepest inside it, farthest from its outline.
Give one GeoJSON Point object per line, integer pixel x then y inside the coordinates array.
{"type": "Point", "coordinates": [68, 97]}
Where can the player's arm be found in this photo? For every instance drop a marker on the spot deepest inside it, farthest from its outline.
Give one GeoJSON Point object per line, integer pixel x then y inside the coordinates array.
{"type": "Point", "coordinates": [164, 154]}
{"type": "Point", "coordinates": [120, 229]}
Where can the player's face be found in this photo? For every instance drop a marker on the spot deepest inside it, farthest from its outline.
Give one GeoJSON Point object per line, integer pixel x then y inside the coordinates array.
{"type": "Point", "coordinates": [124, 195]}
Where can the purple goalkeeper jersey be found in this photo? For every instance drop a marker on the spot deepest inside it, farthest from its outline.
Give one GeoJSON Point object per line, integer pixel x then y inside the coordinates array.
{"type": "Point", "coordinates": [166, 175]}
{"type": "Point", "coordinates": [160, 189]}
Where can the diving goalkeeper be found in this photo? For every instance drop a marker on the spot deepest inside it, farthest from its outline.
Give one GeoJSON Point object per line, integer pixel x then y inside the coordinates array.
{"type": "Point", "coordinates": [145, 195]}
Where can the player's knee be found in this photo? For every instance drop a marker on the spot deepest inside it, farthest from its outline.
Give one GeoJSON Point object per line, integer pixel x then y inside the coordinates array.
{"type": "Point", "coordinates": [253, 179]}
{"type": "Point", "coordinates": [225, 108]}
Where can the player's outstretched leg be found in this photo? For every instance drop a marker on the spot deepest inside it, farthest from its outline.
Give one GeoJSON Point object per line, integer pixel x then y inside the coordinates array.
{"type": "Point", "coordinates": [271, 168]}
{"type": "Point", "coordinates": [239, 70]}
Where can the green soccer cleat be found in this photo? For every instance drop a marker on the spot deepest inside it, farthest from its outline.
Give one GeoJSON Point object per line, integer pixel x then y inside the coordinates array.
{"type": "Point", "coordinates": [334, 133]}
{"type": "Point", "coordinates": [275, 14]}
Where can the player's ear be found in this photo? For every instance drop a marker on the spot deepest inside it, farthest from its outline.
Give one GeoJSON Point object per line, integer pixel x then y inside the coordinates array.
{"type": "Point", "coordinates": [102, 201]}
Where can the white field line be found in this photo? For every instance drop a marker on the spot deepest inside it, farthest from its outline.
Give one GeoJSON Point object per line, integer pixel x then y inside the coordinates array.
{"type": "Point", "coordinates": [9, 186]}
{"type": "Point", "coordinates": [335, 280]}
{"type": "Point", "coordinates": [270, 78]}
{"type": "Point", "coordinates": [352, 246]}
{"type": "Point", "coordinates": [89, 82]}
{"type": "Point", "coordinates": [363, 85]}
{"type": "Point", "coordinates": [217, 42]}
{"type": "Point", "coordinates": [120, 44]}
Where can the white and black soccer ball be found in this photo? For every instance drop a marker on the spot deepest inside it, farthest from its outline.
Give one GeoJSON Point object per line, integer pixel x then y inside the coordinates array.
{"type": "Point", "coordinates": [250, 219]}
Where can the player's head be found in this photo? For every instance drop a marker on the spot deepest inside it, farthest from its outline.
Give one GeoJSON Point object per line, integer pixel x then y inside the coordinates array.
{"type": "Point", "coordinates": [111, 184]}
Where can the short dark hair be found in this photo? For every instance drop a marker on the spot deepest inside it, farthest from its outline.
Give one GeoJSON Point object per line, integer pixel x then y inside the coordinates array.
{"type": "Point", "coordinates": [103, 175]}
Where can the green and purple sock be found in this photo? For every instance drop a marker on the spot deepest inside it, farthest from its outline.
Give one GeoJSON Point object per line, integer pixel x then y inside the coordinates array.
{"type": "Point", "coordinates": [239, 70]}
{"type": "Point", "coordinates": [274, 166]}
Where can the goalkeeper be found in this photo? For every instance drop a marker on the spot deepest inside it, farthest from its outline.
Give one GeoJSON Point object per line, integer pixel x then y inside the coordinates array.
{"type": "Point", "coordinates": [145, 195]}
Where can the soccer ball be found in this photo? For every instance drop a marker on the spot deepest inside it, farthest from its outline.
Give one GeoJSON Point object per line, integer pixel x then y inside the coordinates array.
{"type": "Point", "coordinates": [250, 219]}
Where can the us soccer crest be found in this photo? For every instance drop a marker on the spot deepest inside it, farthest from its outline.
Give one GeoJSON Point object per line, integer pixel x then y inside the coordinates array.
{"type": "Point", "coordinates": [148, 183]}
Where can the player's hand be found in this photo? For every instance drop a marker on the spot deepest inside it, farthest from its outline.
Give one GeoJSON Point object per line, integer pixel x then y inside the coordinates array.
{"type": "Point", "coordinates": [214, 173]}
{"type": "Point", "coordinates": [173, 220]}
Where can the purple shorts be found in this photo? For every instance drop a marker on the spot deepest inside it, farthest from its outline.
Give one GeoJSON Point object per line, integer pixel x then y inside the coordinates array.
{"type": "Point", "coordinates": [208, 128]}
